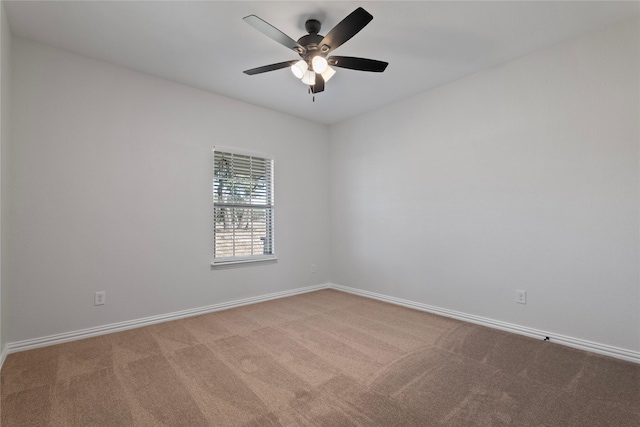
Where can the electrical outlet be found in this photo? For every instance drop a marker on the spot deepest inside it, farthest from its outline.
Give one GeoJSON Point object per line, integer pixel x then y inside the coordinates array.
{"type": "Point", "coordinates": [99, 298]}
{"type": "Point", "coordinates": [521, 297]}
{"type": "Point", "coordinates": [313, 268]}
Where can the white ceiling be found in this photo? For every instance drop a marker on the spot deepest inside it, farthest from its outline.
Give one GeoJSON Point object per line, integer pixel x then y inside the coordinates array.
{"type": "Point", "coordinates": [207, 45]}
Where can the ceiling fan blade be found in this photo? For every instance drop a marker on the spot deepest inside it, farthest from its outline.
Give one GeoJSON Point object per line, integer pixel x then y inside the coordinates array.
{"type": "Point", "coordinates": [271, 67]}
{"type": "Point", "coordinates": [319, 84]}
{"type": "Point", "coordinates": [347, 28]}
{"type": "Point", "coordinates": [273, 33]}
{"type": "Point", "coordinates": [360, 64]}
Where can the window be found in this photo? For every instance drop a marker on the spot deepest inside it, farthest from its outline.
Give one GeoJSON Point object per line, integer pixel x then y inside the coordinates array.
{"type": "Point", "coordinates": [242, 207]}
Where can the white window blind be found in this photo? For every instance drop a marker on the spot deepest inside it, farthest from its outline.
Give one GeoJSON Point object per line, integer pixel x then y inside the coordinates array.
{"type": "Point", "coordinates": [242, 207]}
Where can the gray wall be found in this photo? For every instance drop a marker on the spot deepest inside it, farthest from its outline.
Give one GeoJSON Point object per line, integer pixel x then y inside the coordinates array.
{"type": "Point", "coordinates": [112, 190]}
{"type": "Point", "coordinates": [5, 108]}
{"type": "Point", "coordinates": [524, 176]}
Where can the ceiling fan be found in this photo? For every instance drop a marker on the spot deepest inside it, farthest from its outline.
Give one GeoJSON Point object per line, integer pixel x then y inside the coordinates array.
{"type": "Point", "coordinates": [314, 69]}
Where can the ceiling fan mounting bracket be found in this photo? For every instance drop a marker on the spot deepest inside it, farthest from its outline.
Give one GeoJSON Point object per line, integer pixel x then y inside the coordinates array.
{"type": "Point", "coordinates": [312, 26]}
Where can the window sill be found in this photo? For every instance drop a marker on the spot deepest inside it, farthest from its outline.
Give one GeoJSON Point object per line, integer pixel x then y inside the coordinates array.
{"type": "Point", "coordinates": [242, 262]}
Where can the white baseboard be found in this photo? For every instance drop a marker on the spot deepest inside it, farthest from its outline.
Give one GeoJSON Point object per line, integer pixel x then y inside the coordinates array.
{"type": "Point", "coordinates": [607, 350]}
{"type": "Point", "coordinates": [15, 347]}
{"type": "Point", "coordinates": [3, 356]}
{"type": "Point", "coordinates": [619, 353]}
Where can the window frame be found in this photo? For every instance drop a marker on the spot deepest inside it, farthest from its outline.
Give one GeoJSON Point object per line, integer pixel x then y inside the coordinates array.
{"type": "Point", "coordinates": [269, 206]}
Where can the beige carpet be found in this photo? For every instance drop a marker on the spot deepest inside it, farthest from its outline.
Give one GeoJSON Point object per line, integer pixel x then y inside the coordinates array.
{"type": "Point", "coordinates": [325, 358]}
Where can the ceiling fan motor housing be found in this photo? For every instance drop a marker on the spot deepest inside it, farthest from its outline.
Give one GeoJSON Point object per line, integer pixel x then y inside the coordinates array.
{"type": "Point", "coordinates": [310, 42]}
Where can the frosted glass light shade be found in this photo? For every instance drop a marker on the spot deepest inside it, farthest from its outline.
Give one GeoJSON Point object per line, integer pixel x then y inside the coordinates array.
{"type": "Point", "coordinates": [319, 64]}
{"type": "Point", "coordinates": [299, 68]}
{"type": "Point", "coordinates": [328, 73]}
{"type": "Point", "coordinates": [309, 78]}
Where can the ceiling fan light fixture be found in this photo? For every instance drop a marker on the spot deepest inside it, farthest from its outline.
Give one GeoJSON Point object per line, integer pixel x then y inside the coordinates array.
{"type": "Point", "coordinates": [327, 74]}
{"type": "Point", "coordinates": [309, 77]}
{"type": "Point", "coordinates": [319, 64]}
{"type": "Point", "coordinates": [298, 69]}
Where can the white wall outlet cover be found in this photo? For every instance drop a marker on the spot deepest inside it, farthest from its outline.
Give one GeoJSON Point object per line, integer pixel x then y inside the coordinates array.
{"type": "Point", "coordinates": [99, 298]}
